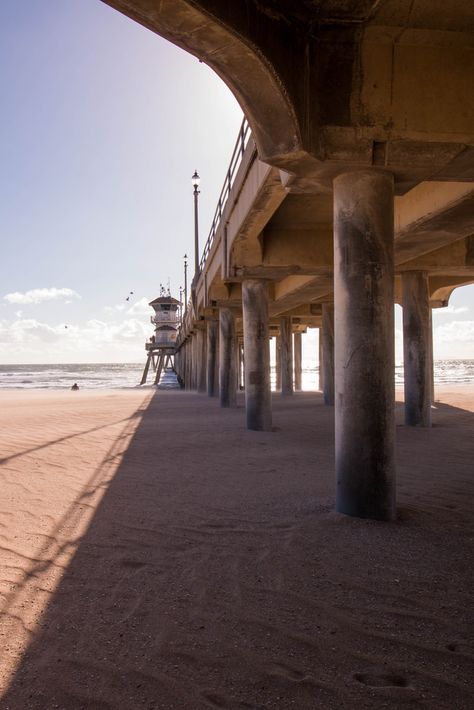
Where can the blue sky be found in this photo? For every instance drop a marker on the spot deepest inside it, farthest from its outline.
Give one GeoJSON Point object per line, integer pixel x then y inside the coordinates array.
{"type": "Point", "coordinates": [102, 125]}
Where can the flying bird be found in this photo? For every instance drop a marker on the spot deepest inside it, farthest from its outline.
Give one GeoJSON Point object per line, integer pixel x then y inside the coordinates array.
{"type": "Point", "coordinates": [128, 297]}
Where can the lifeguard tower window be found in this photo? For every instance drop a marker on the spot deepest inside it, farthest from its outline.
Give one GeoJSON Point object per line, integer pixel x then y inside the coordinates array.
{"type": "Point", "coordinates": [165, 307]}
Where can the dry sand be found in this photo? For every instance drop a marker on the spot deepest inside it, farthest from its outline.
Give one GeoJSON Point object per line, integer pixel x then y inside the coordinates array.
{"type": "Point", "coordinates": [155, 554]}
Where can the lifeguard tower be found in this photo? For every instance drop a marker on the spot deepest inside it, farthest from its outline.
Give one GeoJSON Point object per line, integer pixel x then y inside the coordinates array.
{"type": "Point", "coordinates": [161, 346]}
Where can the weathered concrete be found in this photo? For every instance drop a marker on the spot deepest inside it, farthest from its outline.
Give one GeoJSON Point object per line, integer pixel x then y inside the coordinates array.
{"type": "Point", "coordinates": [297, 348]}
{"type": "Point", "coordinates": [286, 356]}
{"type": "Point", "coordinates": [320, 359]}
{"type": "Point", "coordinates": [194, 361]}
{"type": "Point", "coordinates": [228, 359]}
{"type": "Point", "coordinates": [364, 344]}
{"type": "Point", "coordinates": [278, 363]}
{"type": "Point", "coordinates": [202, 361]}
{"type": "Point", "coordinates": [257, 354]}
{"type": "Point", "coordinates": [417, 356]}
{"type": "Point", "coordinates": [327, 337]}
{"type": "Point", "coordinates": [212, 356]}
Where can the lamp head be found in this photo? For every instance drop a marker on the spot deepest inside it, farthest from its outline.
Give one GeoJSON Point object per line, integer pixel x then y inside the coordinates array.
{"type": "Point", "coordinates": [196, 180]}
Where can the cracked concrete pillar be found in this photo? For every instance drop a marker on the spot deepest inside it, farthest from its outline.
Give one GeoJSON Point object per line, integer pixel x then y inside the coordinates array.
{"type": "Point", "coordinates": [364, 344]}
{"type": "Point", "coordinates": [212, 337]}
{"type": "Point", "coordinates": [297, 345]}
{"type": "Point", "coordinates": [417, 356]}
{"type": "Point", "coordinates": [257, 355]}
{"type": "Point", "coordinates": [228, 359]}
{"type": "Point", "coordinates": [327, 337]}
{"type": "Point", "coordinates": [286, 356]}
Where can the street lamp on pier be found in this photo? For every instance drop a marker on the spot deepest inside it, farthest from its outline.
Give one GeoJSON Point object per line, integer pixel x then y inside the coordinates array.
{"type": "Point", "coordinates": [196, 180]}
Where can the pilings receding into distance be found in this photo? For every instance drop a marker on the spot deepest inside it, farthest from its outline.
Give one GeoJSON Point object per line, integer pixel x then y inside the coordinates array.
{"type": "Point", "coordinates": [364, 344]}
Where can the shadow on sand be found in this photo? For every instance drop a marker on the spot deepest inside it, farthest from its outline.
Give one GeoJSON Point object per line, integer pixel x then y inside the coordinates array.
{"type": "Point", "coordinates": [214, 573]}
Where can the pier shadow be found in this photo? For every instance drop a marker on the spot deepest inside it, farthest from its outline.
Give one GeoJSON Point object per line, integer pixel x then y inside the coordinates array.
{"type": "Point", "coordinates": [134, 623]}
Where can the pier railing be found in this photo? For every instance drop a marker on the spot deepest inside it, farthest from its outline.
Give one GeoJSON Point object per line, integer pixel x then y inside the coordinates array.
{"type": "Point", "coordinates": [239, 149]}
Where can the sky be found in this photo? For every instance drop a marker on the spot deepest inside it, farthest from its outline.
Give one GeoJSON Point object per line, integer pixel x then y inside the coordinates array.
{"type": "Point", "coordinates": [102, 125]}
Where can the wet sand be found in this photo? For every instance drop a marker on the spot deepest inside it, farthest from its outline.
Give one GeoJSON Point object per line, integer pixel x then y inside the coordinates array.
{"type": "Point", "coordinates": [155, 554]}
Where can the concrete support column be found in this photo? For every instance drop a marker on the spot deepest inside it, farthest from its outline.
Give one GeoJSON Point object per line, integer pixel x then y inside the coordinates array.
{"type": "Point", "coordinates": [417, 356]}
{"type": "Point", "coordinates": [327, 337]}
{"type": "Point", "coordinates": [432, 357]}
{"type": "Point", "coordinates": [257, 355]}
{"type": "Point", "coordinates": [189, 364]}
{"type": "Point", "coordinates": [286, 356]}
{"type": "Point", "coordinates": [277, 363]}
{"type": "Point", "coordinates": [212, 357]}
{"type": "Point", "coordinates": [202, 361]}
{"type": "Point", "coordinates": [364, 344]}
{"type": "Point", "coordinates": [297, 345]}
{"type": "Point", "coordinates": [241, 382]}
{"type": "Point", "coordinates": [320, 356]}
{"type": "Point", "coordinates": [228, 359]}
{"type": "Point", "coordinates": [195, 360]}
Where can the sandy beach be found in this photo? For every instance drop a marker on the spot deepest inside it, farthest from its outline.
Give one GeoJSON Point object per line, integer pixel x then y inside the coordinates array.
{"type": "Point", "coordinates": [155, 554]}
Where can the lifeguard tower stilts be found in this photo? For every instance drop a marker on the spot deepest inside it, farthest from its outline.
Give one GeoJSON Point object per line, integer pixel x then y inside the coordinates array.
{"type": "Point", "coordinates": [161, 346]}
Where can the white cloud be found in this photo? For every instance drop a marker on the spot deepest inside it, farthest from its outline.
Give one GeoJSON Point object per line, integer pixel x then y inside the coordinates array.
{"type": "Point", "coordinates": [449, 310]}
{"type": "Point", "coordinates": [113, 309]}
{"type": "Point", "coordinates": [38, 295]}
{"type": "Point", "coordinates": [460, 331]}
{"type": "Point", "coordinates": [28, 331]}
{"type": "Point", "coordinates": [29, 340]}
{"type": "Point", "coordinates": [141, 308]}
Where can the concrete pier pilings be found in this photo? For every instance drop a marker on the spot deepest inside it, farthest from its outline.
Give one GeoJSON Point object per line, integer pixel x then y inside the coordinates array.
{"type": "Point", "coordinates": [278, 363]}
{"type": "Point", "coordinates": [201, 364]}
{"type": "Point", "coordinates": [417, 344]}
{"type": "Point", "coordinates": [257, 354]}
{"type": "Point", "coordinates": [212, 357]}
{"type": "Point", "coordinates": [286, 356]}
{"type": "Point", "coordinates": [228, 359]}
{"type": "Point", "coordinates": [297, 348]}
{"type": "Point", "coordinates": [364, 344]}
{"type": "Point", "coordinates": [327, 337]}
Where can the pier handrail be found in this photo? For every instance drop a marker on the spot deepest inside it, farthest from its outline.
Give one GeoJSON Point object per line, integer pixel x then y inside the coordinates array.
{"type": "Point", "coordinates": [239, 149]}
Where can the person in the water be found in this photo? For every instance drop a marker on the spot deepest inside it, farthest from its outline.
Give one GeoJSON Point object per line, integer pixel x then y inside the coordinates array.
{"type": "Point", "coordinates": [75, 386]}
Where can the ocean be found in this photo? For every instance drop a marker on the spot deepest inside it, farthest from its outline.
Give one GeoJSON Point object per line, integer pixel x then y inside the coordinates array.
{"type": "Point", "coordinates": [127, 375]}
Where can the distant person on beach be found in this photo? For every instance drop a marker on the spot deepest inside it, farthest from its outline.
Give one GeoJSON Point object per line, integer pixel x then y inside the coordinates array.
{"type": "Point", "coordinates": [75, 386]}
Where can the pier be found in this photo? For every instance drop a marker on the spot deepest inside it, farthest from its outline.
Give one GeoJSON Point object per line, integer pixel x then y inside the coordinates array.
{"type": "Point", "coordinates": [350, 189]}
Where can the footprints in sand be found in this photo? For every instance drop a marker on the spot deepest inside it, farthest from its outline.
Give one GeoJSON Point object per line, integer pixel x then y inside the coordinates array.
{"type": "Point", "coordinates": [382, 680]}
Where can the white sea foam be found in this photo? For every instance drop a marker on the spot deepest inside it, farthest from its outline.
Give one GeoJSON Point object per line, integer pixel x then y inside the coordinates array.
{"type": "Point", "coordinates": [126, 375]}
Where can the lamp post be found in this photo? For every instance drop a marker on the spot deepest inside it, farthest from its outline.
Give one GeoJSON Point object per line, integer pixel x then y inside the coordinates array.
{"type": "Point", "coordinates": [185, 257]}
{"type": "Point", "coordinates": [181, 292]}
{"type": "Point", "coordinates": [196, 180]}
